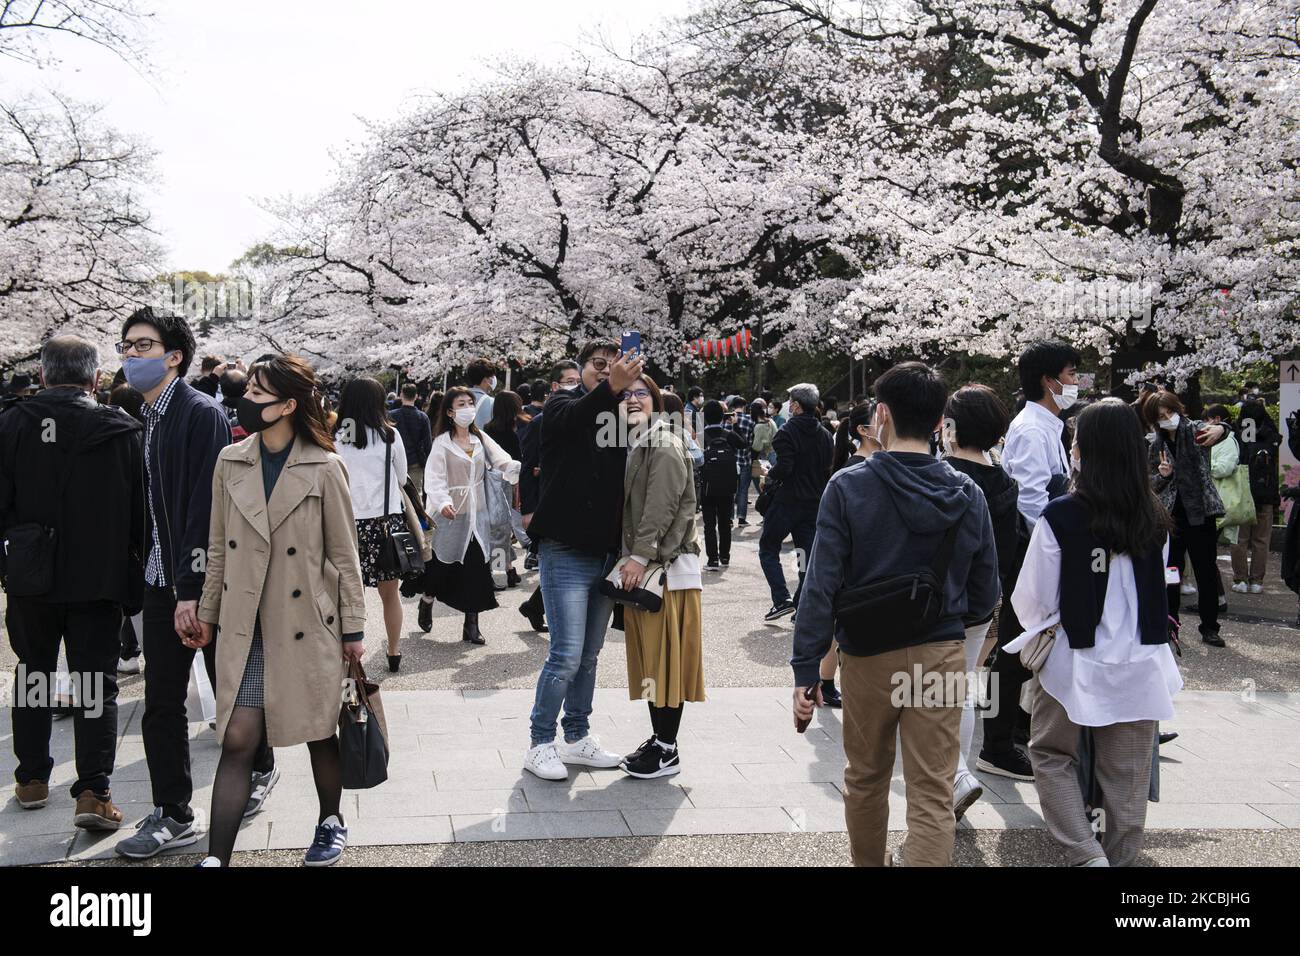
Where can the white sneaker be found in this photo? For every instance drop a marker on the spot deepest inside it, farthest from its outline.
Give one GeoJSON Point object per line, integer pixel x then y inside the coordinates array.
{"type": "Point", "coordinates": [1188, 587]}
{"type": "Point", "coordinates": [587, 752]}
{"type": "Point", "coordinates": [1257, 589]}
{"type": "Point", "coordinates": [1241, 587]}
{"type": "Point", "coordinates": [544, 761]}
{"type": "Point", "coordinates": [128, 665]}
{"type": "Point", "coordinates": [965, 792]}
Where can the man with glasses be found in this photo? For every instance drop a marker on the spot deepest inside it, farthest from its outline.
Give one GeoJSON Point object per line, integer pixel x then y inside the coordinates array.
{"type": "Point", "coordinates": [577, 522]}
{"type": "Point", "coordinates": [185, 431]}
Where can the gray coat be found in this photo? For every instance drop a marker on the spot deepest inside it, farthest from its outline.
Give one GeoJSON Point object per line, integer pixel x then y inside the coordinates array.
{"type": "Point", "coordinates": [1192, 480]}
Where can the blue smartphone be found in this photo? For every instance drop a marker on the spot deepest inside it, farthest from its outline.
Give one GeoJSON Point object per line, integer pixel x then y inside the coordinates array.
{"type": "Point", "coordinates": [631, 342]}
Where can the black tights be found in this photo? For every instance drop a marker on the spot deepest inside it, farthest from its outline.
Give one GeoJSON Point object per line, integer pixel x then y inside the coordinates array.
{"type": "Point", "coordinates": [666, 721]}
{"type": "Point", "coordinates": [245, 733]}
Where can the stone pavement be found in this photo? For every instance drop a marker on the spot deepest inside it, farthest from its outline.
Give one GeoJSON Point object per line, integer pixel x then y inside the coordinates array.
{"type": "Point", "coordinates": [455, 777]}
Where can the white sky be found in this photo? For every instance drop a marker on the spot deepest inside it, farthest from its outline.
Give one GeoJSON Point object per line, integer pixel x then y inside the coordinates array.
{"type": "Point", "coordinates": [249, 99]}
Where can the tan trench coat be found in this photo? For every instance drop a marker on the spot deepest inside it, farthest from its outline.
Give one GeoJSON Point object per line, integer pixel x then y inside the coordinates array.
{"type": "Point", "coordinates": [293, 561]}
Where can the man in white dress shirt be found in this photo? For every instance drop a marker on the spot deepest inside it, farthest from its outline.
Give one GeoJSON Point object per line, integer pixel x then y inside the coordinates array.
{"type": "Point", "coordinates": [1035, 457]}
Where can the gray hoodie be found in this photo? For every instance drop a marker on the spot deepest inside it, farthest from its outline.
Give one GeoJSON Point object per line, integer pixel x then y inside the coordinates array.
{"type": "Point", "coordinates": [887, 517]}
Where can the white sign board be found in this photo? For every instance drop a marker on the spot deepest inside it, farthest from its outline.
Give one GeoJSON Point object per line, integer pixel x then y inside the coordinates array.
{"type": "Point", "coordinates": [1289, 402]}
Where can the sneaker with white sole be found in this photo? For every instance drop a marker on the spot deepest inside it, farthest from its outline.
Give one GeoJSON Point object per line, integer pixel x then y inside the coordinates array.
{"type": "Point", "coordinates": [157, 833]}
{"type": "Point", "coordinates": [1241, 587]}
{"type": "Point", "coordinates": [128, 665]}
{"type": "Point", "coordinates": [263, 784]}
{"type": "Point", "coordinates": [1257, 589]}
{"type": "Point", "coordinates": [965, 792]}
{"type": "Point", "coordinates": [658, 760]}
{"type": "Point", "coordinates": [588, 752]}
{"type": "Point", "coordinates": [328, 844]}
{"type": "Point", "coordinates": [544, 761]}
{"type": "Point", "coordinates": [1188, 588]}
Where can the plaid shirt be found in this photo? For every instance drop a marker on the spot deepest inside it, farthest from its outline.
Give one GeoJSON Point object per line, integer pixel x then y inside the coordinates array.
{"type": "Point", "coordinates": [154, 572]}
{"type": "Point", "coordinates": [744, 427]}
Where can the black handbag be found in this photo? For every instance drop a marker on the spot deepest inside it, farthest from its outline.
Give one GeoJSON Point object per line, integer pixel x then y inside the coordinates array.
{"type": "Point", "coordinates": [363, 742]}
{"type": "Point", "coordinates": [763, 503]}
{"type": "Point", "coordinates": [399, 551]}
{"type": "Point", "coordinates": [889, 612]}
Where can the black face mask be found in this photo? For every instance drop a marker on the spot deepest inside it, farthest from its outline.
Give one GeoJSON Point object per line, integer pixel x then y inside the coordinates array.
{"type": "Point", "coordinates": [249, 413]}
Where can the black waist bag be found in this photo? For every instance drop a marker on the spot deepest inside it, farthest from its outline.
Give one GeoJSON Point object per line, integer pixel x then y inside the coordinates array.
{"type": "Point", "coordinates": [890, 612]}
{"type": "Point", "coordinates": [29, 560]}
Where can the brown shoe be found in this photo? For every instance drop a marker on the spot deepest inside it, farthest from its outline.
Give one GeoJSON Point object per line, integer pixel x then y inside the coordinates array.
{"type": "Point", "coordinates": [96, 814]}
{"type": "Point", "coordinates": [32, 796]}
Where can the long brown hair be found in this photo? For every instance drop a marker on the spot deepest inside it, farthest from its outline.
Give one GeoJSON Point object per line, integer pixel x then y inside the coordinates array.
{"type": "Point", "coordinates": [441, 423]}
{"type": "Point", "coordinates": [291, 376]}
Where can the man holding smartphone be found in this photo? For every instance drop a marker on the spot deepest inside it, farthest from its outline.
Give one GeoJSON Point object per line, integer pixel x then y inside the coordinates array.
{"type": "Point", "coordinates": [577, 524]}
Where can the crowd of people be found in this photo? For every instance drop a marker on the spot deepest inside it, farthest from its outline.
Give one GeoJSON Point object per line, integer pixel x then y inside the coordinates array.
{"type": "Point", "coordinates": [240, 516]}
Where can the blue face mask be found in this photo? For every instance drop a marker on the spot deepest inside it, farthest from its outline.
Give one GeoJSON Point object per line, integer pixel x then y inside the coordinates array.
{"type": "Point", "coordinates": [144, 374]}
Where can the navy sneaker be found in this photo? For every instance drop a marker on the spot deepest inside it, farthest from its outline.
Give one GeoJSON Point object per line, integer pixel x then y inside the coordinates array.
{"type": "Point", "coordinates": [328, 844]}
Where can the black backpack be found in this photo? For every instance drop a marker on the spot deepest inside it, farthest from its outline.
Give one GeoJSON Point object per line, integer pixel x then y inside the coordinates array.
{"type": "Point", "coordinates": [719, 470]}
{"type": "Point", "coordinates": [1263, 473]}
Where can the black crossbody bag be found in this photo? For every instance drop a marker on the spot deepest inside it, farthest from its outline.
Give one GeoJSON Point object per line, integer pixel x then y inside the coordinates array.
{"type": "Point", "coordinates": [905, 605]}
{"type": "Point", "coordinates": [399, 551]}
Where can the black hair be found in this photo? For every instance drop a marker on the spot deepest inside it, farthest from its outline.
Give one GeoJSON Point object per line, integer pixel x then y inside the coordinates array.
{"type": "Point", "coordinates": [1219, 411]}
{"type": "Point", "coordinates": [915, 394]}
{"type": "Point", "coordinates": [558, 370]}
{"type": "Point", "coordinates": [979, 419]}
{"type": "Point", "coordinates": [736, 402]}
{"type": "Point", "coordinates": [1044, 358]}
{"type": "Point", "coordinates": [594, 346]}
{"type": "Point", "coordinates": [480, 369]}
{"type": "Point", "coordinates": [539, 387]}
{"type": "Point", "coordinates": [1125, 516]}
{"type": "Point", "coordinates": [713, 412]}
{"type": "Point", "coordinates": [362, 403]}
{"type": "Point", "coordinates": [173, 330]}
{"type": "Point", "coordinates": [694, 392]}
{"type": "Point", "coordinates": [859, 414]}
{"type": "Point", "coordinates": [409, 391]}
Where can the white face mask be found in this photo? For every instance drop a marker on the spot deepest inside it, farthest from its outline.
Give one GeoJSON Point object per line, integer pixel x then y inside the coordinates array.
{"type": "Point", "coordinates": [1170, 423]}
{"type": "Point", "coordinates": [568, 388]}
{"type": "Point", "coordinates": [492, 384]}
{"type": "Point", "coordinates": [464, 417]}
{"type": "Point", "coordinates": [1068, 398]}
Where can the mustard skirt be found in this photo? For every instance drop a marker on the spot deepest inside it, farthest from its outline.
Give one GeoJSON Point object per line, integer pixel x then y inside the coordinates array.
{"type": "Point", "coordinates": [665, 663]}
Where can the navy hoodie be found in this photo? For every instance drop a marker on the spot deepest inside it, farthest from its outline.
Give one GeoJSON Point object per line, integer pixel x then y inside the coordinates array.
{"type": "Point", "coordinates": [885, 517]}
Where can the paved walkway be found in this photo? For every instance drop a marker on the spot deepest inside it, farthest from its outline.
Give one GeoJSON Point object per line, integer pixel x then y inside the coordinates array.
{"type": "Point", "coordinates": [455, 777]}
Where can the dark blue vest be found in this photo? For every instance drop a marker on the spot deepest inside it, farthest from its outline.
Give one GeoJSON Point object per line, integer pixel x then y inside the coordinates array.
{"type": "Point", "coordinates": [1084, 578]}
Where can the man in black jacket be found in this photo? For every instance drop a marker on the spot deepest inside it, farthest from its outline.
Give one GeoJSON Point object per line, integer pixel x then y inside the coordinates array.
{"type": "Point", "coordinates": [70, 468]}
{"type": "Point", "coordinates": [185, 431]}
{"type": "Point", "coordinates": [803, 464]}
{"type": "Point", "coordinates": [417, 435]}
{"type": "Point", "coordinates": [578, 524]}
{"type": "Point", "coordinates": [719, 478]}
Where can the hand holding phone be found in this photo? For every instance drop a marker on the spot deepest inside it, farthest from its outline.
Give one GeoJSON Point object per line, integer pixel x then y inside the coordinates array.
{"type": "Point", "coordinates": [631, 342]}
{"type": "Point", "coordinates": [813, 696]}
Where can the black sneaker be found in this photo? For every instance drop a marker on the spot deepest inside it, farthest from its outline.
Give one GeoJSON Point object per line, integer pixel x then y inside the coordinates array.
{"type": "Point", "coordinates": [636, 755]}
{"type": "Point", "coordinates": [1166, 737]}
{"type": "Point", "coordinates": [654, 762]}
{"type": "Point", "coordinates": [779, 611]}
{"type": "Point", "coordinates": [726, 562]}
{"type": "Point", "coordinates": [1014, 765]}
{"type": "Point", "coordinates": [713, 566]}
{"type": "Point", "coordinates": [530, 562]}
{"type": "Point", "coordinates": [1212, 638]}
{"type": "Point", "coordinates": [512, 578]}
{"type": "Point", "coordinates": [424, 616]}
{"type": "Point", "coordinates": [742, 523]}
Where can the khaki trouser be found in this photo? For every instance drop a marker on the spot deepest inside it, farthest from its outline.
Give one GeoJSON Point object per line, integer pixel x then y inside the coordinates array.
{"type": "Point", "coordinates": [1122, 761]}
{"type": "Point", "coordinates": [1253, 539]}
{"type": "Point", "coordinates": [878, 708]}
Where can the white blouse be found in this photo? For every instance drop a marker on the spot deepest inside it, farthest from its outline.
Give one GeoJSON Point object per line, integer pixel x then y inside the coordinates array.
{"type": "Point", "coordinates": [1117, 680]}
{"type": "Point", "coordinates": [366, 475]}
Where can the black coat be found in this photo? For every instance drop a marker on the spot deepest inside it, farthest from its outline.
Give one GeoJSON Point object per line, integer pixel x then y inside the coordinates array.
{"type": "Point", "coordinates": [1002, 494]}
{"type": "Point", "coordinates": [73, 465]}
{"type": "Point", "coordinates": [803, 460]}
{"type": "Point", "coordinates": [185, 446]}
{"type": "Point", "coordinates": [581, 500]}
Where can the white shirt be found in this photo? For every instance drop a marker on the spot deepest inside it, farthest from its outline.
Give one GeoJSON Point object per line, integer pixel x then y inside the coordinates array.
{"type": "Point", "coordinates": [1117, 680]}
{"type": "Point", "coordinates": [366, 475]}
{"type": "Point", "coordinates": [1033, 453]}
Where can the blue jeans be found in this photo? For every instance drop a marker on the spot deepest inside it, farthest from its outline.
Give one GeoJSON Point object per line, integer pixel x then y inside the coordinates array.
{"type": "Point", "coordinates": [578, 616]}
{"type": "Point", "coordinates": [799, 521]}
{"type": "Point", "coordinates": [742, 493]}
